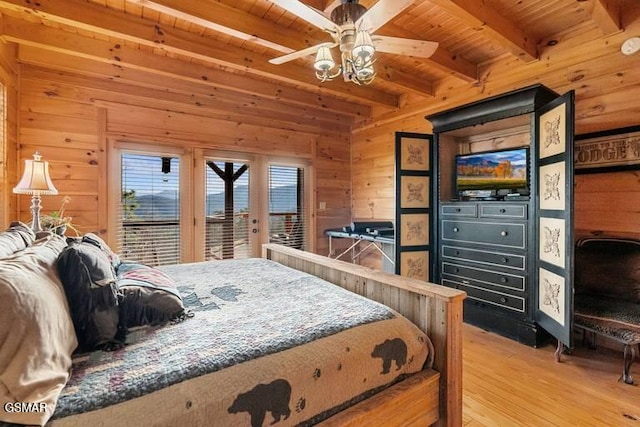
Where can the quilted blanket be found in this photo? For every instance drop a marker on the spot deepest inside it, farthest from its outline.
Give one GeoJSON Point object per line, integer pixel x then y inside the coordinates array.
{"type": "Point", "coordinates": [267, 344]}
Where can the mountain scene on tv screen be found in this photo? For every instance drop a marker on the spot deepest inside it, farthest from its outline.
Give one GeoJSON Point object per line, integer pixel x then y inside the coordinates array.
{"type": "Point", "coordinates": [498, 170]}
{"type": "Point", "coordinates": [164, 205]}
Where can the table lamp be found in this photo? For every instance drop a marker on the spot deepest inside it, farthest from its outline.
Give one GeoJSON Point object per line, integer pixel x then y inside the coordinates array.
{"type": "Point", "coordinates": [35, 181]}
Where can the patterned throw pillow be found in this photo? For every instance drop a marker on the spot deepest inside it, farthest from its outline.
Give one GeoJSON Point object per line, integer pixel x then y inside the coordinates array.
{"type": "Point", "coordinates": [149, 296]}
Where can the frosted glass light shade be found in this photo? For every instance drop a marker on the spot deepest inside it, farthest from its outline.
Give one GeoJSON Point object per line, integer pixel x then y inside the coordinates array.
{"type": "Point", "coordinates": [363, 46]}
{"type": "Point", "coordinates": [324, 60]}
{"type": "Point", "coordinates": [35, 179]}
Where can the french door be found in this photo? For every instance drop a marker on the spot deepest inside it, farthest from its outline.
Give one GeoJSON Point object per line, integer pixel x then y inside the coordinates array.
{"type": "Point", "coordinates": [231, 224]}
{"type": "Point", "coordinates": [170, 204]}
{"type": "Point", "coordinates": [248, 200]}
{"type": "Point", "coordinates": [147, 203]}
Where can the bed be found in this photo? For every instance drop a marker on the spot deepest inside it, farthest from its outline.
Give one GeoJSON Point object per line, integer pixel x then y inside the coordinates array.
{"type": "Point", "coordinates": [395, 373]}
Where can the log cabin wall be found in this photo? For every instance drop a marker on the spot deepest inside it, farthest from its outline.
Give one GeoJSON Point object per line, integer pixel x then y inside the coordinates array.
{"type": "Point", "coordinates": [70, 117]}
{"type": "Point", "coordinates": [607, 90]}
{"type": "Point", "coordinates": [8, 131]}
{"type": "Point", "coordinates": [604, 204]}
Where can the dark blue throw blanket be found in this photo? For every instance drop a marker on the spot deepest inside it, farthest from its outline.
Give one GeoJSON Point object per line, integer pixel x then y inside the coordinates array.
{"type": "Point", "coordinates": [244, 309]}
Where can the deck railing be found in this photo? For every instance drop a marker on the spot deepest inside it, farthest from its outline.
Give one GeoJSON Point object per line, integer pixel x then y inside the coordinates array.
{"type": "Point", "coordinates": [157, 242]}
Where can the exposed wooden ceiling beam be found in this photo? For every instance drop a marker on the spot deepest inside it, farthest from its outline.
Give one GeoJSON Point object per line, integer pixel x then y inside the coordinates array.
{"type": "Point", "coordinates": [408, 81]}
{"type": "Point", "coordinates": [91, 17]}
{"type": "Point", "coordinates": [305, 105]}
{"type": "Point", "coordinates": [122, 58]}
{"type": "Point", "coordinates": [442, 59]}
{"type": "Point", "coordinates": [232, 22]}
{"type": "Point", "coordinates": [482, 17]}
{"type": "Point", "coordinates": [606, 13]}
{"type": "Point", "coordinates": [239, 24]}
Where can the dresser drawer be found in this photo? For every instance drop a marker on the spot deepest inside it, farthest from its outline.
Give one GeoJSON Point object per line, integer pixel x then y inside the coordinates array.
{"type": "Point", "coordinates": [488, 276]}
{"type": "Point", "coordinates": [460, 210]}
{"type": "Point", "coordinates": [500, 210]}
{"type": "Point", "coordinates": [510, 302]}
{"type": "Point", "coordinates": [498, 259]}
{"type": "Point", "coordinates": [503, 234]}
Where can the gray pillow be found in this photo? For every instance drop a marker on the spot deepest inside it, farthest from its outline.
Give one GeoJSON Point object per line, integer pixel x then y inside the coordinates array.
{"type": "Point", "coordinates": [17, 237]}
{"type": "Point", "coordinates": [89, 282]}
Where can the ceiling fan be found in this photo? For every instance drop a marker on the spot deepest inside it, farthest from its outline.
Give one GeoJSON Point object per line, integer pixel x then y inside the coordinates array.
{"type": "Point", "coordinates": [351, 26]}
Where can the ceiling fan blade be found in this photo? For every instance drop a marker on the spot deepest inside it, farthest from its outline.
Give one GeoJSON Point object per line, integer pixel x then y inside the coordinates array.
{"type": "Point", "coordinates": [300, 53]}
{"type": "Point", "coordinates": [381, 13]}
{"type": "Point", "coordinates": [307, 13]}
{"type": "Point", "coordinates": [409, 47]}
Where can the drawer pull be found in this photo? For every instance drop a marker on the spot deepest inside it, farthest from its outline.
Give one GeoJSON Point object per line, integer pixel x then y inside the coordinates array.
{"type": "Point", "coordinates": [503, 300]}
{"type": "Point", "coordinates": [503, 210]}
{"type": "Point", "coordinates": [458, 210]}
{"type": "Point", "coordinates": [505, 260]}
{"type": "Point", "coordinates": [456, 270]}
{"type": "Point", "coordinates": [504, 279]}
{"type": "Point", "coordinates": [456, 252]}
{"type": "Point", "coordinates": [456, 229]}
{"type": "Point", "coordinates": [465, 282]}
{"type": "Point", "coordinates": [503, 233]}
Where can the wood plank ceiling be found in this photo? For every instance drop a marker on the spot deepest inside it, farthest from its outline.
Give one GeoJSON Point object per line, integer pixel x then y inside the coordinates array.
{"type": "Point", "coordinates": [218, 51]}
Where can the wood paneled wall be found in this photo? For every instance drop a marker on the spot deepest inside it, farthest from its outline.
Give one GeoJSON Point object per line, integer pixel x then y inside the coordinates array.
{"type": "Point", "coordinates": [606, 203]}
{"type": "Point", "coordinates": [69, 118]}
{"type": "Point", "coordinates": [606, 89]}
{"type": "Point", "coordinates": [8, 133]}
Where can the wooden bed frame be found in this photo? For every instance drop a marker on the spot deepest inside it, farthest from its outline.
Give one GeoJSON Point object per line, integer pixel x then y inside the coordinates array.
{"type": "Point", "coordinates": [433, 396]}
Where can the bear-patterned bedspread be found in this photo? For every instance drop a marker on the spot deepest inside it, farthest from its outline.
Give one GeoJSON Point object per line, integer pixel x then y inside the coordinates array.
{"type": "Point", "coordinates": [276, 346]}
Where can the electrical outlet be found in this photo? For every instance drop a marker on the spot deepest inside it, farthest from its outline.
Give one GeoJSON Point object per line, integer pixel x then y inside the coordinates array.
{"type": "Point", "coordinates": [323, 206]}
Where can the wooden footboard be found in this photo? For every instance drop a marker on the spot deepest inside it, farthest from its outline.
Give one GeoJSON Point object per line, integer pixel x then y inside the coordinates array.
{"type": "Point", "coordinates": [435, 309]}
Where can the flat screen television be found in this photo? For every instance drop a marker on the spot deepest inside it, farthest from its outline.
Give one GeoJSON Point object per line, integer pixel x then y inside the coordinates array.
{"type": "Point", "coordinates": [493, 171]}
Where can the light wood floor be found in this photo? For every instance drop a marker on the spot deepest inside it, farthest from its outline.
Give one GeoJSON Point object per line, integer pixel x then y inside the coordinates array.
{"type": "Point", "coordinates": [509, 384]}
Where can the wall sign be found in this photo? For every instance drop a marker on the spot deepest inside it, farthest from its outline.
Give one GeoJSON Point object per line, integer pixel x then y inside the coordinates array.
{"type": "Point", "coordinates": [607, 151]}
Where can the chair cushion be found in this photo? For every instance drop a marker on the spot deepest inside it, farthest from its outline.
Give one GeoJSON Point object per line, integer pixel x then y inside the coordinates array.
{"type": "Point", "coordinates": [611, 316]}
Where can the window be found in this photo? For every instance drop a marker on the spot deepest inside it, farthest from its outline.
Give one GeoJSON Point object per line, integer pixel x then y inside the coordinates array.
{"type": "Point", "coordinates": [149, 216]}
{"type": "Point", "coordinates": [286, 206]}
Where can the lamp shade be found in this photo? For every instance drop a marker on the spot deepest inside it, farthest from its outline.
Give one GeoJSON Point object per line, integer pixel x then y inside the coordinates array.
{"type": "Point", "coordinates": [363, 46]}
{"type": "Point", "coordinates": [324, 60]}
{"type": "Point", "coordinates": [35, 179]}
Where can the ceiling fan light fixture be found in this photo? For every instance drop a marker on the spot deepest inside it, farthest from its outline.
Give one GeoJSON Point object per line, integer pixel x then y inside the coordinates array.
{"type": "Point", "coordinates": [363, 47]}
{"type": "Point", "coordinates": [360, 73]}
{"type": "Point", "coordinates": [324, 61]}
{"type": "Point", "coordinates": [351, 26]}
